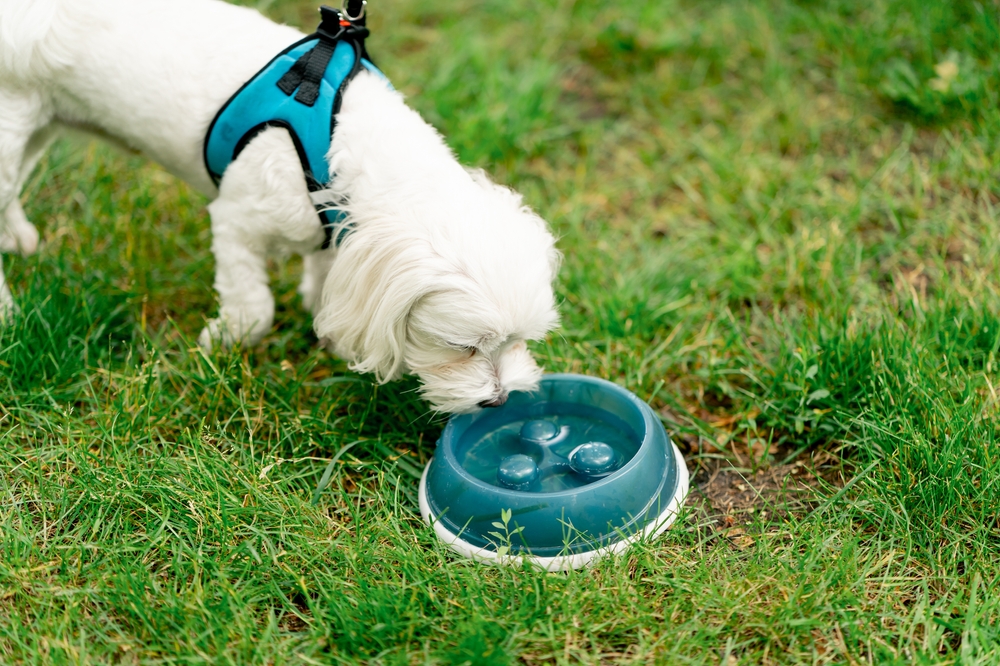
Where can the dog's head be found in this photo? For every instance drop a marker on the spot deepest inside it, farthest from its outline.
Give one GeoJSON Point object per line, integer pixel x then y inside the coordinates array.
{"type": "Point", "coordinates": [452, 297]}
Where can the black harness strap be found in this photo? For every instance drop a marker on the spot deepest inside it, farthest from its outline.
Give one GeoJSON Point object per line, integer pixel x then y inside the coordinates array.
{"type": "Point", "coordinates": [307, 72]}
{"type": "Point", "coordinates": [314, 70]}
{"type": "Point", "coordinates": [293, 77]}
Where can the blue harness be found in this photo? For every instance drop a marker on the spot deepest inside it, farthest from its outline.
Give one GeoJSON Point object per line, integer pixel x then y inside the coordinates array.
{"type": "Point", "coordinates": [318, 67]}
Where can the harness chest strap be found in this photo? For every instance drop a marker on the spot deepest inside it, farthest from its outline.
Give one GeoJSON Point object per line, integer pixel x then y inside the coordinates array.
{"type": "Point", "coordinates": [301, 90]}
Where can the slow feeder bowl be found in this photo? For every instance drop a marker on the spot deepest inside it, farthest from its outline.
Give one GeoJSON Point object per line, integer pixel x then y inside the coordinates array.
{"type": "Point", "coordinates": [582, 466]}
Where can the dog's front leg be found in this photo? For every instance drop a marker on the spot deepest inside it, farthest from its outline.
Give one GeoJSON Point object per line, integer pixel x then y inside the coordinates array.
{"type": "Point", "coordinates": [246, 306]}
{"type": "Point", "coordinates": [263, 209]}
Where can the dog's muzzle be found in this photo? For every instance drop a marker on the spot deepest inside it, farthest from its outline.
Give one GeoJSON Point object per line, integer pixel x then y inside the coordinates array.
{"type": "Point", "coordinates": [495, 402]}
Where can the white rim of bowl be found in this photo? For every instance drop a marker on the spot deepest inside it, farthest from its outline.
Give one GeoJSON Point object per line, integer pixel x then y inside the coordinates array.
{"type": "Point", "coordinates": [559, 562]}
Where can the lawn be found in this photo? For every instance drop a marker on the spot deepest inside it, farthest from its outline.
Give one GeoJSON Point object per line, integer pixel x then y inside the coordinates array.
{"type": "Point", "coordinates": [781, 227]}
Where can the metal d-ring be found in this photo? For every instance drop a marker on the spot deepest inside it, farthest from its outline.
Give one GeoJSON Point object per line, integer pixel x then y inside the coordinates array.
{"type": "Point", "coordinates": [347, 14]}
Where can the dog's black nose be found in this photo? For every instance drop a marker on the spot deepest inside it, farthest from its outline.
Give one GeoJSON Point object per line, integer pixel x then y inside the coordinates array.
{"type": "Point", "coordinates": [495, 402]}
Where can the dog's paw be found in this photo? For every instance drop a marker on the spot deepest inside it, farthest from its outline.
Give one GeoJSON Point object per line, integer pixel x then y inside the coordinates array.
{"type": "Point", "coordinates": [8, 308]}
{"type": "Point", "coordinates": [309, 293]}
{"type": "Point", "coordinates": [205, 340]}
{"type": "Point", "coordinates": [227, 332]}
{"type": "Point", "coordinates": [21, 238]}
{"type": "Point", "coordinates": [215, 334]}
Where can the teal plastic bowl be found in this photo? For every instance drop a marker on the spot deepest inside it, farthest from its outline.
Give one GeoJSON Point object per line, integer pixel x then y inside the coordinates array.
{"type": "Point", "coordinates": [560, 476]}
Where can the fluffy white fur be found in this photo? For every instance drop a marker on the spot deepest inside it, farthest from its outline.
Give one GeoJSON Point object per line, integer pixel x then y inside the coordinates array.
{"type": "Point", "coordinates": [445, 274]}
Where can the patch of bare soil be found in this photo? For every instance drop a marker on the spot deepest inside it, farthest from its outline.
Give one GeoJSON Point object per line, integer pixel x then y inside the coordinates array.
{"type": "Point", "coordinates": [737, 486]}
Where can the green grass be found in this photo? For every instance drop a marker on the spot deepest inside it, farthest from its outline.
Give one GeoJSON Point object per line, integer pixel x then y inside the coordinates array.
{"type": "Point", "coordinates": [778, 229]}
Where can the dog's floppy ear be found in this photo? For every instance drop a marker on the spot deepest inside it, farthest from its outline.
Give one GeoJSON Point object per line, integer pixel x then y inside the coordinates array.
{"type": "Point", "coordinates": [367, 299]}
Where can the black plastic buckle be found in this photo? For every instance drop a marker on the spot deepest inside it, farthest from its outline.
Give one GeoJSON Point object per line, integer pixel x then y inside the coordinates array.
{"type": "Point", "coordinates": [331, 26]}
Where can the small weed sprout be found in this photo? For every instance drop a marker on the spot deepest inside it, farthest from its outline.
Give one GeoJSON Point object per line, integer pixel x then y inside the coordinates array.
{"type": "Point", "coordinates": [503, 538]}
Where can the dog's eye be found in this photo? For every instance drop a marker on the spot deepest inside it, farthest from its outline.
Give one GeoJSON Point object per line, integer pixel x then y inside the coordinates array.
{"type": "Point", "coordinates": [465, 349]}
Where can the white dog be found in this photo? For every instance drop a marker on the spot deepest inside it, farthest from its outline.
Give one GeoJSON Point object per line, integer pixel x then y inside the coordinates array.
{"type": "Point", "coordinates": [442, 274]}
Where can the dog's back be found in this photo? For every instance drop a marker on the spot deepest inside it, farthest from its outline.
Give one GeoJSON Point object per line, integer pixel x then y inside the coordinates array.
{"type": "Point", "coordinates": [151, 73]}
{"type": "Point", "coordinates": [26, 39]}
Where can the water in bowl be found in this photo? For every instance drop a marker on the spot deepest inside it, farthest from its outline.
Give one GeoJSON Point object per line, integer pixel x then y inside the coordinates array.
{"type": "Point", "coordinates": [490, 442]}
